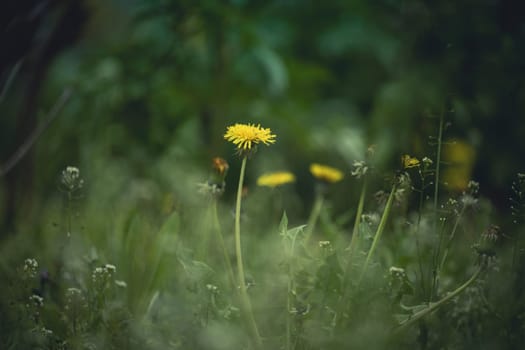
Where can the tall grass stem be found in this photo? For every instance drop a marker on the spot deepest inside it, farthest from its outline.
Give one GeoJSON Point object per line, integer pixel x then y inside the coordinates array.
{"type": "Point", "coordinates": [433, 306]}
{"type": "Point", "coordinates": [436, 197]}
{"type": "Point", "coordinates": [451, 238]}
{"type": "Point", "coordinates": [357, 222]}
{"type": "Point", "coordinates": [289, 295]}
{"type": "Point", "coordinates": [355, 236]}
{"type": "Point", "coordinates": [314, 216]}
{"type": "Point", "coordinates": [379, 232]}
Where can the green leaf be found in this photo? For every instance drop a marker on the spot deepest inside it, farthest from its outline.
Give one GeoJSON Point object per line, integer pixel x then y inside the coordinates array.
{"type": "Point", "coordinates": [171, 225]}
{"type": "Point", "coordinates": [283, 225]}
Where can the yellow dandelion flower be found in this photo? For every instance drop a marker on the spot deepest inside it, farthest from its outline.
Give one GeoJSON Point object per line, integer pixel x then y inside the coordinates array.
{"type": "Point", "coordinates": [244, 136]}
{"type": "Point", "coordinates": [326, 173]}
{"type": "Point", "coordinates": [275, 179]}
{"type": "Point", "coordinates": [409, 162]}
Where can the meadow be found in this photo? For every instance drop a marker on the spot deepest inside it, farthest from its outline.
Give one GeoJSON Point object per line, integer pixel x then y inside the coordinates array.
{"type": "Point", "coordinates": [261, 175]}
{"type": "Point", "coordinates": [408, 264]}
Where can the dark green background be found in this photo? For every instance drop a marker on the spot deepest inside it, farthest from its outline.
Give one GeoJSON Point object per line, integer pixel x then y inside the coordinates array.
{"type": "Point", "coordinates": [161, 79]}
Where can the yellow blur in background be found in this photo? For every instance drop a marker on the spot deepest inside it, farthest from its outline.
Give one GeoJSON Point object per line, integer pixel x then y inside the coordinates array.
{"type": "Point", "coordinates": [459, 158]}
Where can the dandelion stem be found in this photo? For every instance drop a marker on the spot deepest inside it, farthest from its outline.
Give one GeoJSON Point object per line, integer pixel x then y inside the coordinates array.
{"type": "Point", "coordinates": [314, 216]}
{"type": "Point", "coordinates": [437, 304]}
{"type": "Point", "coordinates": [245, 300]}
{"type": "Point", "coordinates": [379, 232]}
{"type": "Point", "coordinates": [240, 268]}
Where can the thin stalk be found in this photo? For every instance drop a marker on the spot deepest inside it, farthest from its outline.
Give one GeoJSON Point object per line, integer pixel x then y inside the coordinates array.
{"type": "Point", "coordinates": [379, 232]}
{"type": "Point", "coordinates": [418, 248]}
{"type": "Point", "coordinates": [355, 237]}
{"type": "Point", "coordinates": [68, 209]}
{"type": "Point", "coordinates": [69, 213]}
{"type": "Point", "coordinates": [433, 306]}
{"type": "Point", "coordinates": [451, 238]}
{"type": "Point", "coordinates": [438, 166]}
{"type": "Point", "coordinates": [289, 297]}
{"type": "Point", "coordinates": [435, 258]}
{"type": "Point", "coordinates": [357, 222]}
{"type": "Point", "coordinates": [238, 251]}
{"type": "Point", "coordinates": [35, 134]}
{"type": "Point", "coordinates": [288, 316]}
{"type": "Point", "coordinates": [245, 300]}
{"type": "Point", "coordinates": [314, 216]}
{"type": "Point", "coordinates": [436, 181]}
{"type": "Point", "coordinates": [220, 238]}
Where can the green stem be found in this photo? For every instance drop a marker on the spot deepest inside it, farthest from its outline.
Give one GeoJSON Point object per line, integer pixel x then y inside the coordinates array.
{"type": "Point", "coordinates": [451, 238]}
{"type": "Point", "coordinates": [238, 251]}
{"type": "Point", "coordinates": [355, 237]}
{"type": "Point", "coordinates": [438, 166]}
{"type": "Point", "coordinates": [289, 296]}
{"type": "Point", "coordinates": [379, 232]}
{"type": "Point", "coordinates": [355, 231]}
{"type": "Point", "coordinates": [436, 185]}
{"type": "Point", "coordinates": [288, 316]}
{"type": "Point", "coordinates": [434, 306]}
{"type": "Point", "coordinates": [220, 238]}
{"type": "Point", "coordinates": [434, 268]}
{"type": "Point", "coordinates": [314, 216]}
{"type": "Point", "coordinates": [69, 214]}
{"type": "Point", "coordinates": [418, 252]}
{"type": "Point", "coordinates": [245, 300]}
{"type": "Point", "coordinates": [418, 226]}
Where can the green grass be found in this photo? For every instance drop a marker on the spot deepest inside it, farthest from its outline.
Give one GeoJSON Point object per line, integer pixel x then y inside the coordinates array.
{"type": "Point", "coordinates": [410, 270]}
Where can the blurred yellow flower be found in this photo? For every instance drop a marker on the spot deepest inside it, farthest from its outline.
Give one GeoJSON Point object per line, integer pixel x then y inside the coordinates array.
{"type": "Point", "coordinates": [409, 162]}
{"type": "Point", "coordinates": [244, 136]}
{"type": "Point", "coordinates": [326, 173]}
{"type": "Point", "coordinates": [460, 157]}
{"type": "Point", "coordinates": [275, 179]}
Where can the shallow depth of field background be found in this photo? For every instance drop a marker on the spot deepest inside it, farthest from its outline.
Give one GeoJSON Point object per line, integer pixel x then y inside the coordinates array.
{"type": "Point", "coordinates": [138, 94]}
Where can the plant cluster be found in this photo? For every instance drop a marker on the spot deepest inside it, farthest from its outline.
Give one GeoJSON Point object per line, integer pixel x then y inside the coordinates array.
{"type": "Point", "coordinates": [412, 265]}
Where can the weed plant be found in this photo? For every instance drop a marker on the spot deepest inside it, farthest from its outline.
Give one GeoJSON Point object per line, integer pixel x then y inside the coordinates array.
{"type": "Point", "coordinates": [124, 264]}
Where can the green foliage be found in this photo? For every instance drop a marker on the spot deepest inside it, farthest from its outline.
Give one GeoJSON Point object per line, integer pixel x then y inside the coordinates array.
{"type": "Point", "coordinates": [129, 253]}
{"type": "Point", "coordinates": [154, 275]}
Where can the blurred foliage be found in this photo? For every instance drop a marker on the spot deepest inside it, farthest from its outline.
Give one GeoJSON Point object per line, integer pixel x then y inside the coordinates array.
{"type": "Point", "coordinates": [332, 77]}
{"type": "Point", "coordinates": [154, 83]}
